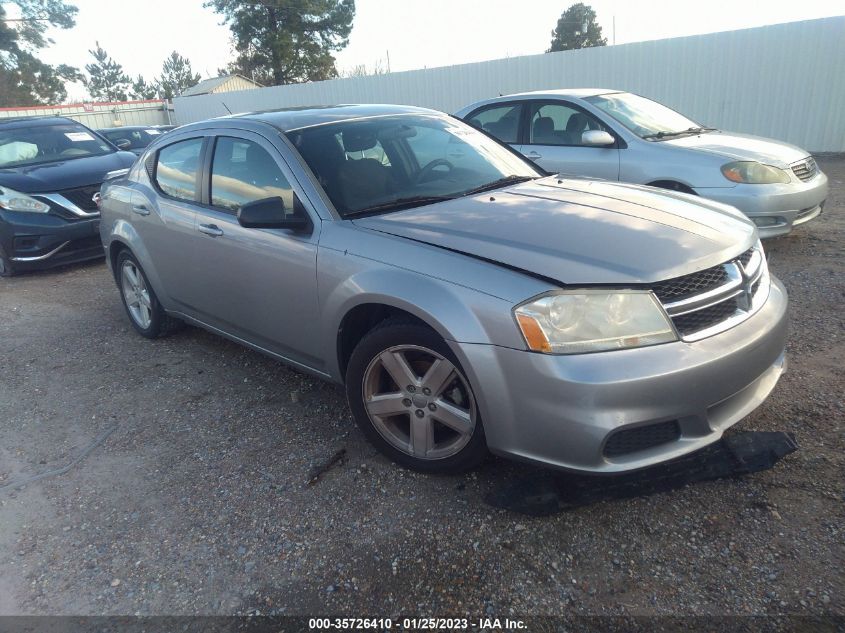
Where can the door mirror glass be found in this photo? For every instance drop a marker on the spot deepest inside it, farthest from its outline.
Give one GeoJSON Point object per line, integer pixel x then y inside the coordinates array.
{"type": "Point", "coordinates": [597, 138]}
{"type": "Point", "coordinates": [270, 213]}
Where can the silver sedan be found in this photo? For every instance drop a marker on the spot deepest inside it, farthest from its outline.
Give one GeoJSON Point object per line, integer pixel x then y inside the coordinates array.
{"type": "Point", "coordinates": [466, 300]}
{"type": "Point", "coordinates": [616, 135]}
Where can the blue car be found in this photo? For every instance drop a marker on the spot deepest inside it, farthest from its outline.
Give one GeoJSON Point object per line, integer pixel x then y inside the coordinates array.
{"type": "Point", "coordinates": [51, 169]}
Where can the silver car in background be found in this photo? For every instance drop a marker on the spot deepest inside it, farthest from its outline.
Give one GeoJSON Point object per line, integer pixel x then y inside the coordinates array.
{"type": "Point", "coordinates": [615, 135]}
{"type": "Point", "coordinates": [466, 303]}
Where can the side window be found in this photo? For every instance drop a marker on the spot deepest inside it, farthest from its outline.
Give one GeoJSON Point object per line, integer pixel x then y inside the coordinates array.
{"type": "Point", "coordinates": [176, 171]}
{"type": "Point", "coordinates": [559, 124]}
{"type": "Point", "coordinates": [243, 171]}
{"type": "Point", "coordinates": [502, 121]}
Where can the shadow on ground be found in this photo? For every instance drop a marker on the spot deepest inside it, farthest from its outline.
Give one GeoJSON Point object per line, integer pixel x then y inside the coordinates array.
{"type": "Point", "coordinates": [542, 492]}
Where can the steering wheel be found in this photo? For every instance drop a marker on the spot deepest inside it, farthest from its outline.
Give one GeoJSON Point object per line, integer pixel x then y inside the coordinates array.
{"type": "Point", "coordinates": [425, 171]}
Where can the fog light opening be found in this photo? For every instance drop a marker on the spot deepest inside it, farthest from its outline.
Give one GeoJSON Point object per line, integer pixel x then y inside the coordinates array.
{"type": "Point", "coordinates": [766, 221]}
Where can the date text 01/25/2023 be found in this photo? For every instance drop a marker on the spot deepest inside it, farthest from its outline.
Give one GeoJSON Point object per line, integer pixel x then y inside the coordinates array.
{"type": "Point", "coordinates": [415, 624]}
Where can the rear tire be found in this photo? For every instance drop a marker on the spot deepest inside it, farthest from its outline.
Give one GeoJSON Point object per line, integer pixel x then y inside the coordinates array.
{"type": "Point", "coordinates": [139, 300]}
{"type": "Point", "coordinates": [412, 400]}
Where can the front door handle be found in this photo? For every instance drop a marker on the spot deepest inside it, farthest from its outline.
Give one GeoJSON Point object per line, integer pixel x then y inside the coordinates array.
{"type": "Point", "coordinates": [532, 155]}
{"type": "Point", "coordinates": [140, 209]}
{"type": "Point", "coordinates": [211, 229]}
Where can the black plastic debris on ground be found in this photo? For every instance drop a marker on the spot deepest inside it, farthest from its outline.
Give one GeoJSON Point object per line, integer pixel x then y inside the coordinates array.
{"type": "Point", "coordinates": [545, 492]}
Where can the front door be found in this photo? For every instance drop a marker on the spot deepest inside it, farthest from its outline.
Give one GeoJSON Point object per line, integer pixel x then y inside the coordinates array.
{"type": "Point", "coordinates": [257, 284]}
{"type": "Point", "coordinates": [553, 140]}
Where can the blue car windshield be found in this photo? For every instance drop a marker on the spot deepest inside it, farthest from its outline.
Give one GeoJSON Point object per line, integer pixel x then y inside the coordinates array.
{"type": "Point", "coordinates": [33, 145]}
{"type": "Point", "coordinates": [378, 164]}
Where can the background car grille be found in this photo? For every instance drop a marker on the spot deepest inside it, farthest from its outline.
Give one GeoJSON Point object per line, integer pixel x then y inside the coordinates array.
{"type": "Point", "coordinates": [82, 197]}
{"type": "Point", "coordinates": [705, 299]}
{"type": "Point", "coordinates": [641, 438]}
{"type": "Point", "coordinates": [805, 169]}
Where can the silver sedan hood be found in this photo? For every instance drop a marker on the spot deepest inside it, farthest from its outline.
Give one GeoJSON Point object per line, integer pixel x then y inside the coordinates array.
{"type": "Point", "coordinates": [580, 231]}
{"type": "Point", "coordinates": [742, 147]}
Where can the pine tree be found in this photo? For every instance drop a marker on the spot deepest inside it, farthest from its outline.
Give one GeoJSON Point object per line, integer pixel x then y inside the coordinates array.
{"type": "Point", "coordinates": [106, 80]}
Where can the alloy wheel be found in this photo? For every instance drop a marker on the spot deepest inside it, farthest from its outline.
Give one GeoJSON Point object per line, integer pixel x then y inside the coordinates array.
{"type": "Point", "coordinates": [136, 294]}
{"type": "Point", "coordinates": [419, 402]}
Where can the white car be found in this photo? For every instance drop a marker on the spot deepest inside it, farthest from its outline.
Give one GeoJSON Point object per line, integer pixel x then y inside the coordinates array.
{"type": "Point", "coordinates": [615, 135]}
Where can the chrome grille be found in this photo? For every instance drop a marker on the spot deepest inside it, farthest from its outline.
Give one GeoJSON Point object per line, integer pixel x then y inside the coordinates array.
{"type": "Point", "coordinates": [83, 197]}
{"type": "Point", "coordinates": [805, 169]}
{"type": "Point", "coordinates": [690, 284]}
{"type": "Point", "coordinates": [706, 317]}
{"type": "Point", "coordinates": [712, 300]}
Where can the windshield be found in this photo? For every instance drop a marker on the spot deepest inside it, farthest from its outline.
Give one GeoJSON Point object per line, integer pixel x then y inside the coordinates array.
{"type": "Point", "coordinates": [644, 117]}
{"type": "Point", "coordinates": [138, 139]}
{"type": "Point", "coordinates": [23, 146]}
{"type": "Point", "coordinates": [379, 164]}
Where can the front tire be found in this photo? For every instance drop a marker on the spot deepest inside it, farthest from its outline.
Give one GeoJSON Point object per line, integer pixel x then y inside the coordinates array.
{"type": "Point", "coordinates": [412, 400]}
{"type": "Point", "coordinates": [142, 306]}
{"type": "Point", "coordinates": [6, 268]}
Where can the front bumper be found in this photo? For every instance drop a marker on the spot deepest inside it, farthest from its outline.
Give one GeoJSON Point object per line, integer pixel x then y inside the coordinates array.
{"type": "Point", "coordinates": [775, 209]}
{"type": "Point", "coordinates": [33, 241]}
{"type": "Point", "coordinates": [562, 410]}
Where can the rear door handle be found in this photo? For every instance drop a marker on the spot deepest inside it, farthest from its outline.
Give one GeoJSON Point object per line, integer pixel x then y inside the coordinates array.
{"type": "Point", "coordinates": [140, 209]}
{"type": "Point", "coordinates": [532, 155]}
{"type": "Point", "coordinates": [210, 229]}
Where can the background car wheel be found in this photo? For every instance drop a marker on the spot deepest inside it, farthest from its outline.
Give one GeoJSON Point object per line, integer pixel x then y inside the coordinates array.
{"type": "Point", "coordinates": [145, 312]}
{"type": "Point", "coordinates": [411, 399]}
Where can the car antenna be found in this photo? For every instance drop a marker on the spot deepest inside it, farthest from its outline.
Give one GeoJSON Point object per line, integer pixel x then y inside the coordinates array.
{"type": "Point", "coordinates": [227, 107]}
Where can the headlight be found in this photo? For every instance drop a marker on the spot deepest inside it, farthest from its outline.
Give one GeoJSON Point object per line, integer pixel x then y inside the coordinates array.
{"type": "Point", "coordinates": [16, 201]}
{"type": "Point", "coordinates": [753, 173]}
{"type": "Point", "coordinates": [583, 321]}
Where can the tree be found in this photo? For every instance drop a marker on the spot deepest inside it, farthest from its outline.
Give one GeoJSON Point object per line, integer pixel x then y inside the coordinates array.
{"type": "Point", "coordinates": [143, 90]}
{"type": "Point", "coordinates": [106, 79]}
{"type": "Point", "coordinates": [286, 41]}
{"type": "Point", "coordinates": [24, 79]}
{"type": "Point", "coordinates": [361, 70]}
{"type": "Point", "coordinates": [577, 28]}
{"type": "Point", "coordinates": [176, 76]}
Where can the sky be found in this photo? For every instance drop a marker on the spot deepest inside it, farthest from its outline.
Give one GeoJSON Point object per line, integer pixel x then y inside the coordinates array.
{"type": "Point", "coordinates": [410, 34]}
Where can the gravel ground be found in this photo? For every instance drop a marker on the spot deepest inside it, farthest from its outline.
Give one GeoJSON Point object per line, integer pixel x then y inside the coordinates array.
{"type": "Point", "coordinates": [199, 501]}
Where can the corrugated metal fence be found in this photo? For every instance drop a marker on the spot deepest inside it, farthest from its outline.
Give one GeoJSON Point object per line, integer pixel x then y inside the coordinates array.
{"type": "Point", "coordinates": [102, 115]}
{"type": "Point", "coordinates": [785, 81]}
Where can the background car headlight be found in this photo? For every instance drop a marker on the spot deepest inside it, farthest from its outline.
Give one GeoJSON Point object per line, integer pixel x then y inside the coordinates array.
{"type": "Point", "coordinates": [17, 201]}
{"type": "Point", "coordinates": [754, 173]}
{"type": "Point", "coordinates": [583, 321]}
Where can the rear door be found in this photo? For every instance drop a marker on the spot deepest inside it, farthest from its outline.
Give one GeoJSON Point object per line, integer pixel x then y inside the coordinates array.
{"type": "Point", "coordinates": [257, 284]}
{"type": "Point", "coordinates": [165, 222]}
{"type": "Point", "coordinates": [553, 140]}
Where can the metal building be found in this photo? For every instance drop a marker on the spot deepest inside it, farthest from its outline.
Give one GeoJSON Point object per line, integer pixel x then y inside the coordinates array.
{"type": "Point", "coordinates": [784, 81]}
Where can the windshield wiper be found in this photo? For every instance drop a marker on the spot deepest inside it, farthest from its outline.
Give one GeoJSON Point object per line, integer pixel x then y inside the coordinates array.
{"type": "Point", "coordinates": [398, 204]}
{"type": "Point", "coordinates": [496, 184]}
{"type": "Point", "coordinates": [689, 130]}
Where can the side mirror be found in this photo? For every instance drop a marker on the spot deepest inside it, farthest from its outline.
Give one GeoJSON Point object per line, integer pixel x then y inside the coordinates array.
{"type": "Point", "coordinates": [269, 213]}
{"type": "Point", "coordinates": [597, 138]}
{"type": "Point", "coordinates": [122, 143]}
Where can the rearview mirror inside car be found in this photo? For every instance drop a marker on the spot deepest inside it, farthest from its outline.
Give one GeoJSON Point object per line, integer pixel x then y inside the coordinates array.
{"type": "Point", "coordinates": [123, 143]}
{"type": "Point", "coordinates": [269, 213]}
{"type": "Point", "coordinates": [597, 138]}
